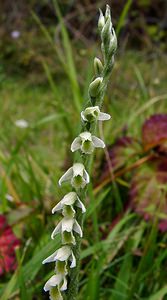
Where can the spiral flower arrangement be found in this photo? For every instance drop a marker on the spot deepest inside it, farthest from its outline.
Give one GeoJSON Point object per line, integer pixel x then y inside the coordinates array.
{"type": "Point", "coordinates": [64, 283]}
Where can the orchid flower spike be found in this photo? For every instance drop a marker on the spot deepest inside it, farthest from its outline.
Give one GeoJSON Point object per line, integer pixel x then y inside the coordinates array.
{"type": "Point", "coordinates": [66, 227]}
{"type": "Point", "coordinates": [63, 255]}
{"type": "Point", "coordinates": [55, 285]}
{"type": "Point", "coordinates": [93, 113]}
{"type": "Point", "coordinates": [66, 204]}
{"type": "Point", "coordinates": [77, 175]}
{"type": "Point", "coordinates": [86, 143]}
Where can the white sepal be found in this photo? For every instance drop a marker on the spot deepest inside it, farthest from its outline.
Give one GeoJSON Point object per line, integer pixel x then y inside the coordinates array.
{"type": "Point", "coordinates": [77, 228]}
{"type": "Point", "coordinates": [80, 205]}
{"type": "Point", "coordinates": [67, 176]}
{"type": "Point", "coordinates": [75, 144]}
{"type": "Point", "coordinates": [73, 261]}
{"type": "Point", "coordinates": [104, 117]}
{"type": "Point", "coordinates": [56, 230]}
{"type": "Point", "coordinates": [98, 143]}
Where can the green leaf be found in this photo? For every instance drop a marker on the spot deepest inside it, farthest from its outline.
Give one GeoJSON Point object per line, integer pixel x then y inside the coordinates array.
{"type": "Point", "coordinates": [160, 294]}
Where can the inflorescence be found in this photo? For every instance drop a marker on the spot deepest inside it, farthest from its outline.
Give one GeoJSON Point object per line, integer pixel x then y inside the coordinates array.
{"type": "Point", "coordinates": [77, 175]}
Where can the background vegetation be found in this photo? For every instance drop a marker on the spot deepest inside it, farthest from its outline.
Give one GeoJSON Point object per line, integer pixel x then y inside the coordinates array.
{"type": "Point", "coordinates": [46, 66]}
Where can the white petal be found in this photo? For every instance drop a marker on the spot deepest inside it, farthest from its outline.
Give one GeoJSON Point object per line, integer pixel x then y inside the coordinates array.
{"type": "Point", "coordinates": [80, 205]}
{"type": "Point", "coordinates": [69, 199]}
{"type": "Point", "coordinates": [73, 261]}
{"type": "Point", "coordinates": [78, 169]}
{"type": "Point", "coordinates": [53, 281]}
{"type": "Point", "coordinates": [86, 136]}
{"type": "Point", "coordinates": [98, 143]}
{"type": "Point", "coordinates": [57, 230]}
{"type": "Point", "coordinates": [50, 258]}
{"type": "Point", "coordinates": [86, 176]}
{"type": "Point", "coordinates": [76, 144]}
{"type": "Point", "coordinates": [67, 175]}
{"type": "Point", "coordinates": [103, 116]}
{"type": "Point", "coordinates": [67, 224]}
{"type": "Point", "coordinates": [57, 207]}
{"type": "Point", "coordinates": [64, 286]}
{"type": "Point", "coordinates": [21, 123]}
{"type": "Point", "coordinates": [83, 116]}
{"type": "Point", "coordinates": [77, 228]}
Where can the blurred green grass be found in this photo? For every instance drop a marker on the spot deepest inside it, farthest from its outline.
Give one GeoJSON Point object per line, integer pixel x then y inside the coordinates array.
{"type": "Point", "coordinates": [125, 263]}
{"type": "Point", "coordinates": [32, 160]}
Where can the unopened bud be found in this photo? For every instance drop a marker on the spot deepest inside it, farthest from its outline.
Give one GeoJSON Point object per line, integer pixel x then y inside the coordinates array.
{"type": "Point", "coordinates": [98, 67]}
{"type": "Point", "coordinates": [106, 32]}
{"type": "Point", "coordinates": [101, 21]}
{"type": "Point", "coordinates": [107, 13]}
{"type": "Point", "coordinates": [113, 43]}
{"type": "Point", "coordinates": [94, 86]}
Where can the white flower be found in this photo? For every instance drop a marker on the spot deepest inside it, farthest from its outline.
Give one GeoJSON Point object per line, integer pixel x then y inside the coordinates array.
{"type": "Point", "coordinates": [62, 254]}
{"type": "Point", "coordinates": [15, 34]}
{"type": "Point", "coordinates": [86, 142]}
{"type": "Point", "coordinates": [66, 227]}
{"type": "Point", "coordinates": [21, 123]}
{"type": "Point", "coordinates": [54, 285]}
{"type": "Point", "coordinates": [56, 280]}
{"type": "Point", "coordinates": [9, 197]}
{"type": "Point", "coordinates": [77, 175]}
{"type": "Point", "coordinates": [68, 201]}
{"type": "Point", "coordinates": [93, 113]}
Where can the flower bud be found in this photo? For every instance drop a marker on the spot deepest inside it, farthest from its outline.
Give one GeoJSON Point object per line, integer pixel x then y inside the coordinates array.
{"type": "Point", "coordinates": [101, 21]}
{"type": "Point", "coordinates": [113, 43]}
{"type": "Point", "coordinates": [98, 67]}
{"type": "Point", "coordinates": [94, 86]}
{"type": "Point", "coordinates": [107, 13]}
{"type": "Point", "coordinates": [106, 33]}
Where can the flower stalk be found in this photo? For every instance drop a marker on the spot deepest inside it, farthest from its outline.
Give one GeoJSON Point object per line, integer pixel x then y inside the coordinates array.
{"type": "Point", "coordinates": [64, 283]}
